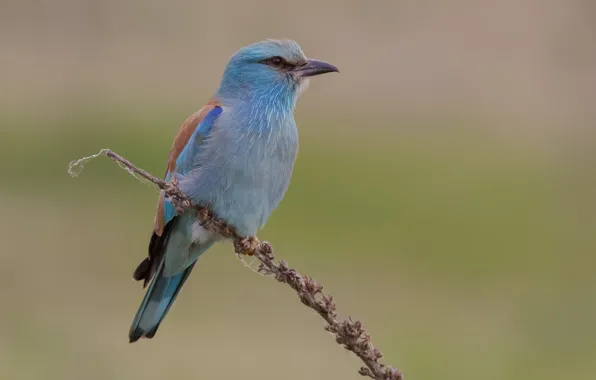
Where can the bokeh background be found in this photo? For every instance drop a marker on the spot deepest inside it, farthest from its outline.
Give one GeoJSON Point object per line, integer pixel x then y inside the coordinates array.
{"type": "Point", "coordinates": [444, 192]}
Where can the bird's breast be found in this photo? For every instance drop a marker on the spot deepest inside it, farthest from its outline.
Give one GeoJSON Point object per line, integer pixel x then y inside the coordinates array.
{"type": "Point", "coordinates": [245, 168]}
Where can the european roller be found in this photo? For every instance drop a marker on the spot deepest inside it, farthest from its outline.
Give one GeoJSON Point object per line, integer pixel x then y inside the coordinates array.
{"type": "Point", "coordinates": [235, 155]}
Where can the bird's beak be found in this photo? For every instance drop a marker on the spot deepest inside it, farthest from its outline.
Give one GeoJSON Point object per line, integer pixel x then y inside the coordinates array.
{"type": "Point", "coordinates": [314, 67]}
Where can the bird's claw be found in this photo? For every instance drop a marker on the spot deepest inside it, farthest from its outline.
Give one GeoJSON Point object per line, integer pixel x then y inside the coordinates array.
{"type": "Point", "coordinates": [246, 246]}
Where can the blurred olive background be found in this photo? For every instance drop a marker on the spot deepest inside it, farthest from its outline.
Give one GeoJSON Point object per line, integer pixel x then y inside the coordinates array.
{"type": "Point", "coordinates": [444, 191]}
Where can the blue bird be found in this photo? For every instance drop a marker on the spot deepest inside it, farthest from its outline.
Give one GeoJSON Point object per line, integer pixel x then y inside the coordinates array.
{"type": "Point", "coordinates": [236, 156]}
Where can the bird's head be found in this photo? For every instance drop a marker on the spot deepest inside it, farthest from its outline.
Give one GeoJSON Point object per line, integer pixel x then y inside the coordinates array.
{"type": "Point", "coordinates": [272, 67]}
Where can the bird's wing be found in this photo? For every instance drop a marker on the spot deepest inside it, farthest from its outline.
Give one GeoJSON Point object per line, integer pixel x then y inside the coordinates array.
{"type": "Point", "coordinates": [185, 147]}
{"type": "Point", "coordinates": [181, 160]}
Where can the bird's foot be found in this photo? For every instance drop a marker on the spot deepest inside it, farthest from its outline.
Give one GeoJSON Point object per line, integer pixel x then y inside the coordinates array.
{"type": "Point", "coordinates": [246, 246]}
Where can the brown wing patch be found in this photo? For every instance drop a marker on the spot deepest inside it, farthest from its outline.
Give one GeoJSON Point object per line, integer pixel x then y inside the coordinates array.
{"type": "Point", "coordinates": [158, 222]}
{"type": "Point", "coordinates": [186, 130]}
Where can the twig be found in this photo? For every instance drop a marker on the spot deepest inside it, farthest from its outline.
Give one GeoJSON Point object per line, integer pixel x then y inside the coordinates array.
{"type": "Point", "coordinates": [348, 333]}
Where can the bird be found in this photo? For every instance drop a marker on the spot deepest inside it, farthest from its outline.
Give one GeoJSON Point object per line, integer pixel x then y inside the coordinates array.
{"type": "Point", "coordinates": [235, 155]}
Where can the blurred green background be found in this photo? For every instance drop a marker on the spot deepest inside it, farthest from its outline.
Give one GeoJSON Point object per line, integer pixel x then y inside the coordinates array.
{"type": "Point", "coordinates": [444, 191]}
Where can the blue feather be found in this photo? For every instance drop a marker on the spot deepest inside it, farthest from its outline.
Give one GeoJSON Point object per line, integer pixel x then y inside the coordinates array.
{"type": "Point", "coordinates": [238, 160]}
{"type": "Point", "coordinates": [188, 154]}
{"type": "Point", "coordinates": [163, 290]}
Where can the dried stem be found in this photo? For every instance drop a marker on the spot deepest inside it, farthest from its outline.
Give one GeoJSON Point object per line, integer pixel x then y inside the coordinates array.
{"type": "Point", "coordinates": [348, 333]}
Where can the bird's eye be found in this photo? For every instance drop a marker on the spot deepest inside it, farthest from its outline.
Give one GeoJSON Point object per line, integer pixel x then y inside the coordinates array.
{"type": "Point", "coordinates": [277, 62]}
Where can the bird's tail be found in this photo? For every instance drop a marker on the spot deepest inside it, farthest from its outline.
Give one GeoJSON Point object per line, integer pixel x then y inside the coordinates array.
{"type": "Point", "coordinates": [159, 298]}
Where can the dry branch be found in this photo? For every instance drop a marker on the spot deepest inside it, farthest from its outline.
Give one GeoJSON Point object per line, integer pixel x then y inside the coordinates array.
{"type": "Point", "coordinates": [348, 333]}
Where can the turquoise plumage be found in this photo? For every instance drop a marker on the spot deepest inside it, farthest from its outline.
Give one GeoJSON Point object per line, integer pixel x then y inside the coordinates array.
{"type": "Point", "coordinates": [236, 156]}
